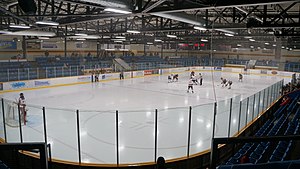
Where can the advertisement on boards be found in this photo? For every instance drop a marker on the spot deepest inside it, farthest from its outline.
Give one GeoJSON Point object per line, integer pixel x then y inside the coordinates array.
{"type": "Point", "coordinates": [147, 72]}
{"type": "Point", "coordinates": [41, 83]}
{"type": "Point", "coordinates": [18, 85]}
{"type": "Point", "coordinates": [84, 79]}
{"type": "Point", "coordinates": [264, 72]}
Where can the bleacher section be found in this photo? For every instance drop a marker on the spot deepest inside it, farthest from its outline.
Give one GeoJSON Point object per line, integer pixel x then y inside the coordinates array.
{"type": "Point", "coordinates": [48, 67]}
{"type": "Point", "coordinates": [293, 164]}
{"type": "Point", "coordinates": [285, 121]}
{"type": "Point", "coordinates": [292, 66]}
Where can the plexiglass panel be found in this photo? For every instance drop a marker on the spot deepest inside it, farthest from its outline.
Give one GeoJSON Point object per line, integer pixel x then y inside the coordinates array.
{"type": "Point", "coordinates": [169, 144]}
{"type": "Point", "coordinates": [98, 128]}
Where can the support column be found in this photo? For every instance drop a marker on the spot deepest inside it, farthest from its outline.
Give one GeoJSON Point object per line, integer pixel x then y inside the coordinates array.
{"type": "Point", "coordinates": [66, 32]}
{"type": "Point", "coordinates": [278, 54]}
{"type": "Point", "coordinates": [98, 49]}
{"type": "Point", "coordinates": [24, 47]}
{"type": "Point", "coordinates": [162, 51]}
{"type": "Point", "coordinates": [145, 52]}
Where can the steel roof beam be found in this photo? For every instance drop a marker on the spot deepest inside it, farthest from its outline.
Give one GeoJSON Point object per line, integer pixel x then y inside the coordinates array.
{"type": "Point", "coordinates": [218, 4]}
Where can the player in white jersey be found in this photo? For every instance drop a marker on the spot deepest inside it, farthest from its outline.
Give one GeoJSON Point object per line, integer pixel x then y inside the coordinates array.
{"type": "Point", "coordinates": [190, 86]}
{"type": "Point", "coordinates": [169, 79]}
{"type": "Point", "coordinates": [194, 79]}
{"type": "Point", "coordinates": [22, 106]}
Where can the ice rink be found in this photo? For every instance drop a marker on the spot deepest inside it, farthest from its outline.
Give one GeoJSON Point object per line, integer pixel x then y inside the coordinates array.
{"type": "Point", "coordinates": [136, 100]}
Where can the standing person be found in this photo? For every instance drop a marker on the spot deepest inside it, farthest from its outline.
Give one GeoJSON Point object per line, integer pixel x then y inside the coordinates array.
{"type": "Point", "coordinates": [96, 77]}
{"type": "Point", "coordinates": [190, 86]}
{"type": "Point", "coordinates": [121, 75]}
{"type": "Point", "coordinates": [92, 77]}
{"type": "Point", "coordinates": [200, 79]}
{"type": "Point", "coordinates": [240, 77]}
{"type": "Point", "coordinates": [22, 107]}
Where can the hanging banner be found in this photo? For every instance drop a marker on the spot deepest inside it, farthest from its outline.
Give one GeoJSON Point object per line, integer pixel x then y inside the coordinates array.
{"type": "Point", "coordinates": [33, 45]}
{"type": "Point", "coordinates": [8, 45]}
{"type": "Point", "coordinates": [82, 45]}
{"type": "Point", "coordinates": [49, 46]}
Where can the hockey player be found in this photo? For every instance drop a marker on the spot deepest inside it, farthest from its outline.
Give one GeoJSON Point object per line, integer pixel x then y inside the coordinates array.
{"type": "Point", "coordinates": [170, 79]}
{"type": "Point", "coordinates": [223, 81]}
{"type": "Point", "coordinates": [229, 83]}
{"type": "Point", "coordinates": [22, 106]}
{"type": "Point", "coordinates": [194, 79]}
{"type": "Point", "coordinates": [175, 77]}
{"type": "Point", "coordinates": [192, 74]}
{"type": "Point", "coordinates": [200, 79]}
{"type": "Point", "coordinates": [190, 86]}
{"type": "Point", "coordinates": [240, 77]}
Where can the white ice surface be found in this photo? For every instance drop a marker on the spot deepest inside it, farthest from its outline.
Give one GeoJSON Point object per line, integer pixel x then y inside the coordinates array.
{"type": "Point", "coordinates": [136, 100]}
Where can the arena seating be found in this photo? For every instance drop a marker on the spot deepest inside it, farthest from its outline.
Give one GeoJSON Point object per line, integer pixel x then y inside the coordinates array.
{"type": "Point", "coordinates": [292, 164]}
{"type": "Point", "coordinates": [292, 66]}
{"type": "Point", "coordinates": [285, 121]}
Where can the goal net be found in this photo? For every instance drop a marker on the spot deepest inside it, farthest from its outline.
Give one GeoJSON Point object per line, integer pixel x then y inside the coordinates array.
{"type": "Point", "coordinates": [12, 115]}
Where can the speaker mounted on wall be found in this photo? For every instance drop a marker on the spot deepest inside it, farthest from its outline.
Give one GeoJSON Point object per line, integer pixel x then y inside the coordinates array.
{"type": "Point", "coordinates": [28, 6]}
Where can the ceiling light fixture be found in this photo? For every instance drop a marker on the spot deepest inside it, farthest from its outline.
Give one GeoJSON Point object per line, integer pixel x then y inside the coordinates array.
{"type": "Point", "coordinates": [120, 37]}
{"type": "Point", "coordinates": [43, 38]}
{"type": "Point", "coordinates": [51, 23]}
{"type": "Point", "coordinates": [80, 34]}
{"type": "Point", "coordinates": [133, 31]}
{"type": "Point", "coordinates": [32, 33]}
{"type": "Point", "coordinates": [157, 40]}
{"type": "Point", "coordinates": [228, 34]}
{"type": "Point", "coordinates": [200, 28]}
{"type": "Point", "coordinates": [252, 40]}
{"type": "Point", "coordinates": [19, 26]}
{"type": "Point", "coordinates": [117, 10]}
{"type": "Point", "coordinates": [5, 32]}
{"type": "Point", "coordinates": [110, 49]}
{"type": "Point", "coordinates": [204, 40]}
{"type": "Point", "coordinates": [172, 36]}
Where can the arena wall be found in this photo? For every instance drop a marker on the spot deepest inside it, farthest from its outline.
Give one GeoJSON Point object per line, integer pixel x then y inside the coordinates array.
{"type": "Point", "coordinates": [52, 82]}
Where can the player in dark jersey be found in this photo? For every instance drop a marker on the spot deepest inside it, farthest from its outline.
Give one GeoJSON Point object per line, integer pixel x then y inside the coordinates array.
{"type": "Point", "coordinates": [240, 77]}
{"type": "Point", "coordinates": [223, 81]}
